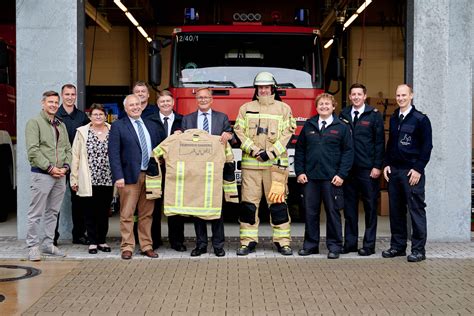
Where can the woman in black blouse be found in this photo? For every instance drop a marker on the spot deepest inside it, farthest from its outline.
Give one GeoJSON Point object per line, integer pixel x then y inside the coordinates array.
{"type": "Point", "coordinates": [91, 177]}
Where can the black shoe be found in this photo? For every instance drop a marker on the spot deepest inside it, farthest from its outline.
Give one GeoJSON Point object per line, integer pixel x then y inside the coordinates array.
{"type": "Point", "coordinates": [392, 253]}
{"type": "Point", "coordinates": [81, 241]}
{"type": "Point", "coordinates": [366, 251]}
{"type": "Point", "coordinates": [219, 252]}
{"type": "Point", "coordinates": [285, 250]}
{"type": "Point", "coordinates": [416, 256]}
{"type": "Point", "coordinates": [198, 251]}
{"type": "Point", "coordinates": [245, 250]}
{"type": "Point", "coordinates": [346, 250]}
{"type": "Point", "coordinates": [55, 242]}
{"type": "Point", "coordinates": [93, 250]}
{"type": "Point", "coordinates": [179, 247]}
{"type": "Point", "coordinates": [307, 252]}
{"type": "Point", "coordinates": [104, 248]}
{"type": "Point", "coordinates": [333, 255]}
{"type": "Point", "coordinates": [157, 243]}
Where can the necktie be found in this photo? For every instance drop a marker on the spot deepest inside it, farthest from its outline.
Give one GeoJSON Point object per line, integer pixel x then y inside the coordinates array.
{"type": "Point", "coordinates": [323, 126]}
{"type": "Point", "coordinates": [400, 118]}
{"type": "Point", "coordinates": [143, 146]}
{"type": "Point", "coordinates": [165, 124]}
{"type": "Point", "coordinates": [205, 123]}
{"type": "Point", "coordinates": [356, 117]}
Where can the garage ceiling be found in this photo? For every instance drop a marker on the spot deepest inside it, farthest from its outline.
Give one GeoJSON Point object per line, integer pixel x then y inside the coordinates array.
{"type": "Point", "coordinates": [152, 13]}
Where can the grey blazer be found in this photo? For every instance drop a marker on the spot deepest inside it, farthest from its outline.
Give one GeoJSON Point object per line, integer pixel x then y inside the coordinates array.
{"type": "Point", "coordinates": [219, 122]}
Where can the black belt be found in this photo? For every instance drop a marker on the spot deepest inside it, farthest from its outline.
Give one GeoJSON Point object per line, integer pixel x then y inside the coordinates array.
{"type": "Point", "coordinates": [261, 130]}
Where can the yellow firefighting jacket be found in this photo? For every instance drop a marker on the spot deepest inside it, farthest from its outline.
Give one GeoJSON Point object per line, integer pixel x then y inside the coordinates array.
{"type": "Point", "coordinates": [264, 124]}
{"type": "Point", "coordinates": [194, 173]}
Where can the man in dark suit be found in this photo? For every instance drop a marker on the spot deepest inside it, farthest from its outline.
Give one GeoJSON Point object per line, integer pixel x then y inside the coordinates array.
{"type": "Point", "coordinates": [131, 141]}
{"type": "Point", "coordinates": [168, 122]}
{"type": "Point", "coordinates": [216, 123]}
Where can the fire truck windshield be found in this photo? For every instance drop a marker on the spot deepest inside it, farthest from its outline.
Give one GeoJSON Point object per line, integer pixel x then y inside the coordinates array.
{"type": "Point", "coordinates": [232, 60]}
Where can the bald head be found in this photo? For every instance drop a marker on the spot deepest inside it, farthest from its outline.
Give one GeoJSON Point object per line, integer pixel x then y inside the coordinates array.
{"type": "Point", "coordinates": [132, 106]}
{"type": "Point", "coordinates": [404, 95]}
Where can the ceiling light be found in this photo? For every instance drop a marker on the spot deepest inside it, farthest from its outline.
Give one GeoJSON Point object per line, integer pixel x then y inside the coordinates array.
{"type": "Point", "coordinates": [351, 19]}
{"type": "Point", "coordinates": [121, 5]}
{"type": "Point", "coordinates": [329, 43]}
{"type": "Point", "coordinates": [142, 31]}
{"type": "Point", "coordinates": [363, 6]}
{"type": "Point", "coordinates": [131, 18]}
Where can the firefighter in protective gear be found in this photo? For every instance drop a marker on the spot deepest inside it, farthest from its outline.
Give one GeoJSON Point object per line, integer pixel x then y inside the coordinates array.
{"type": "Point", "coordinates": [264, 127]}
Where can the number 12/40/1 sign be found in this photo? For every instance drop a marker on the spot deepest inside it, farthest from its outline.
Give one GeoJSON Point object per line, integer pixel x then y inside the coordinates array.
{"type": "Point", "coordinates": [188, 38]}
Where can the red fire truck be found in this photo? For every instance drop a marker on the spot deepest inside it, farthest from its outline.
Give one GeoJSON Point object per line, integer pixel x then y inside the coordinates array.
{"type": "Point", "coordinates": [7, 120]}
{"type": "Point", "coordinates": [227, 58]}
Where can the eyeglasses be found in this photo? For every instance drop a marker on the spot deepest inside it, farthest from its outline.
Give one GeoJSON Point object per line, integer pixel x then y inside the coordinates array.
{"type": "Point", "coordinates": [203, 98]}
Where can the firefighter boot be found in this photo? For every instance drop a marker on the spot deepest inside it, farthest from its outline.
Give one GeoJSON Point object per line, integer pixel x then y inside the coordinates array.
{"type": "Point", "coordinates": [245, 250]}
{"type": "Point", "coordinates": [284, 250]}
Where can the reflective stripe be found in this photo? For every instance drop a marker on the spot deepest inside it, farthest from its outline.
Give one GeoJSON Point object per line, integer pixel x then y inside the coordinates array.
{"type": "Point", "coordinates": [153, 183]}
{"type": "Point", "coordinates": [230, 187]}
{"type": "Point", "coordinates": [239, 122]}
{"type": "Point", "coordinates": [279, 147]}
{"type": "Point", "coordinates": [277, 117]}
{"type": "Point", "coordinates": [249, 161]}
{"type": "Point", "coordinates": [192, 211]}
{"type": "Point", "coordinates": [228, 151]}
{"type": "Point", "coordinates": [292, 123]}
{"type": "Point", "coordinates": [158, 152]}
{"type": "Point", "coordinates": [246, 145]}
{"type": "Point", "coordinates": [277, 232]}
{"type": "Point", "coordinates": [245, 232]}
{"type": "Point", "coordinates": [209, 185]}
{"type": "Point", "coordinates": [284, 162]}
{"type": "Point", "coordinates": [179, 183]}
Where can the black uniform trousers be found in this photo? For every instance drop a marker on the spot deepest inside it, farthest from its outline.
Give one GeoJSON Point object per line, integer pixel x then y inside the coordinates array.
{"type": "Point", "coordinates": [360, 183]}
{"type": "Point", "coordinates": [403, 196]}
{"type": "Point", "coordinates": [77, 213]}
{"type": "Point", "coordinates": [96, 213]}
{"type": "Point", "coordinates": [217, 227]}
{"type": "Point", "coordinates": [315, 191]}
{"type": "Point", "coordinates": [175, 227]}
{"type": "Point", "coordinates": [175, 223]}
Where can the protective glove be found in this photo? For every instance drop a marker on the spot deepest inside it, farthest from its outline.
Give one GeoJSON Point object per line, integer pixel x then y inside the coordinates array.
{"type": "Point", "coordinates": [278, 189]}
{"type": "Point", "coordinates": [263, 155]}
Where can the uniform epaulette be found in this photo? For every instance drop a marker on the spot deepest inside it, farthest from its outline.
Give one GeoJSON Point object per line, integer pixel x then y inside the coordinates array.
{"type": "Point", "coordinates": [418, 115]}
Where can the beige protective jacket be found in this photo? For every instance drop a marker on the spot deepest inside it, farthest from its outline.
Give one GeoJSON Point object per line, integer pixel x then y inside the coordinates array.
{"type": "Point", "coordinates": [194, 173]}
{"type": "Point", "coordinates": [264, 124]}
{"type": "Point", "coordinates": [80, 171]}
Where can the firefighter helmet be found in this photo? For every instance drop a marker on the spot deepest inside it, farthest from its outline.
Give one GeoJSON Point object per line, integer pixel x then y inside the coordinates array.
{"type": "Point", "coordinates": [264, 79]}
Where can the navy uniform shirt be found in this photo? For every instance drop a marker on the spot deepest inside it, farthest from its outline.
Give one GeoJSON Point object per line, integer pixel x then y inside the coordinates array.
{"type": "Point", "coordinates": [368, 137]}
{"type": "Point", "coordinates": [323, 155]}
{"type": "Point", "coordinates": [76, 119]}
{"type": "Point", "coordinates": [410, 141]}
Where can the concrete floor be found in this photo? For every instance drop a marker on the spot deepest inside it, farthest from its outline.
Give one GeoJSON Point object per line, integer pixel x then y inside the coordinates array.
{"type": "Point", "coordinates": [263, 283]}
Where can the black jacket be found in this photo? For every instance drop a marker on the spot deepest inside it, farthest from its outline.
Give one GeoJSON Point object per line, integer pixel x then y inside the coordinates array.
{"type": "Point", "coordinates": [76, 119]}
{"type": "Point", "coordinates": [409, 143]}
{"type": "Point", "coordinates": [368, 137]}
{"type": "Point", "coordinates": [321, 156]}
{"type": "Point", "coordinates": [155, 117]}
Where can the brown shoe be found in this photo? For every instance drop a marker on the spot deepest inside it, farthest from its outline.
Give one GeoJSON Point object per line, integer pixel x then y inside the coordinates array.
{"type": "Point", "coordinates": [126, 255]}
{"type": "Point", "coordinates": [150, 253]}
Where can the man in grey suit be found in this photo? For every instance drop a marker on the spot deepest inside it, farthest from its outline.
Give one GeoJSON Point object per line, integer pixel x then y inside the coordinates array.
{"type": "Point", "coordinates": [216, 123]}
